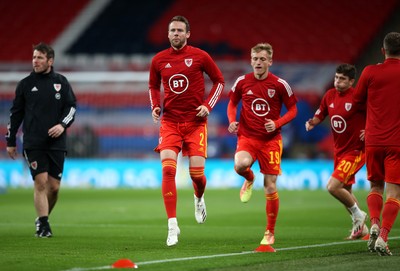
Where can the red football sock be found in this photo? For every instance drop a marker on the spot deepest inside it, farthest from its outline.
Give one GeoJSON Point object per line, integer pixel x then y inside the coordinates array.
{"type": "Point", "coordinates": [247, 174]}
{"type": "Point", "coordinates": [168, 186]}
{"type": "Point", "coordinates": [384, 234]}
{"type": "Point", "coordinates": [389, 214]}
{"type": "Point", "coordinates": [375, 204]}
{"type": "Point", "coordinates": [272, 208]}
{"type": "Point", "coordinates": [198, 180]}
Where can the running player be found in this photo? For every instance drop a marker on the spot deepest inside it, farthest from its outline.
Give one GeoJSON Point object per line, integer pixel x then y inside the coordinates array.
{"type": "Point", "coordinates": [259, 130]}
{"type": "Point", "coordinates": [184, 111]}
{"type": "Point", "coordinates": [347, 124]}
{"type": "Point", "coordinates": [378, 88]}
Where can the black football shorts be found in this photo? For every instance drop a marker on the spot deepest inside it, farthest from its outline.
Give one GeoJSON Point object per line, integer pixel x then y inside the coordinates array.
{"type": "Point", "coordinates": [50, 161]}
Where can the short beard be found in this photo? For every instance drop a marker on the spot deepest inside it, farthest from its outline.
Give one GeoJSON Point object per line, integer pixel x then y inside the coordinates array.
{"type": "Point", "coordinates": [178, 46]}
{"type": "Point", "coordinates": [43, 72]}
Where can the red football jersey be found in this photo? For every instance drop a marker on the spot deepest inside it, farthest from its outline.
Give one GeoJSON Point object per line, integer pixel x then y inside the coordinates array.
{"type": "Point", "coordinates": [347, 119]}
{"type": "Point", "coordinates": [182, 75]}
{"type": "Point", "coordinates": [379, 88]}
{"type": "Point", "coordinates": [261, 100]}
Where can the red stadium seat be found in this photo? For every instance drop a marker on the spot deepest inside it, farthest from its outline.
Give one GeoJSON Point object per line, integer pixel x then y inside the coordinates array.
{"type": "Point", "coordinates": [300, 31]}
{"type": "Point", "coordinates": [26, 22]}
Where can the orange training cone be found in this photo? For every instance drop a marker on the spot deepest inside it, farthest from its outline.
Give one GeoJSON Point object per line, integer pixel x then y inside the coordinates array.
{"type": "Point", "coordinates": [124, 263]}
{"type": "Point", "coordinates": [265, 248]}
{"type": "Point", "coordinates": [366, 237]}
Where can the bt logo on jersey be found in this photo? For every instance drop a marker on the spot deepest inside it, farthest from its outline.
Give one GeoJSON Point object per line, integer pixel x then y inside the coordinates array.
{"type": "Point", "coordinates": [338, 124]}
{"type": "Point", "coordinates": [178, 83]}
{"type": "Point", "coordinates": [260, 107]}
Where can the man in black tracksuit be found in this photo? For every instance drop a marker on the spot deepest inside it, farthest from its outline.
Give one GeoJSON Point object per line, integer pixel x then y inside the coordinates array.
{"type": "Point", "coordinates": [45, 103]}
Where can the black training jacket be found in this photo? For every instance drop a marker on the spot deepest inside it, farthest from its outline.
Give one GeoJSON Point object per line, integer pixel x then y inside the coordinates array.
{"type": "Point", "coordinates": [41, 101]}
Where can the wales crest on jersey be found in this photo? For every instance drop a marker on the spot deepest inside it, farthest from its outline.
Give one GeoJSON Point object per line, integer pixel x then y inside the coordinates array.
{"type": "Point", "coordinates": [57, 87]}
{"type": "Point", "coordinates": [271, 92]}
{"type": "Point", "coordinates": [189, 62]}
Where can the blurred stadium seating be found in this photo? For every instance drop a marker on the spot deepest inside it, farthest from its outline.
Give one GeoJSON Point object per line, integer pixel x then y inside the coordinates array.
{"type": "Point", "coordinates": [300, 31]}
{"type": "Point", "coordinates": [309, 37]}
{"type": "Point", "coordinates": [24, 23]}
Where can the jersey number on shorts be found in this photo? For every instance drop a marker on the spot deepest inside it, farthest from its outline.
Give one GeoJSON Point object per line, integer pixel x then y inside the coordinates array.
{"type": "Point", "coordinates": [344, 166]}
{"type": "Point", "coordinates": [201, 140]}
{"type": "Point", "coordinates": [275, 157]}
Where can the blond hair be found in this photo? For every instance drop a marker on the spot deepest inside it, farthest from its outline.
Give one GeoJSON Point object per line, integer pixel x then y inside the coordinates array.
{"type": "Point", "coordinates": [263, 47]}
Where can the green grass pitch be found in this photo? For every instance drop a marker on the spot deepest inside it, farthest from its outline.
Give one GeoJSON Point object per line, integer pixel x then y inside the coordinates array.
{"type": "Point", "coordinates": [93, 228]}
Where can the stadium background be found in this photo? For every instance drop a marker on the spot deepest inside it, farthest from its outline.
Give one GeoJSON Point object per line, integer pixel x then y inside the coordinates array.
{"type": "Point", "coordinates": [104, 47]}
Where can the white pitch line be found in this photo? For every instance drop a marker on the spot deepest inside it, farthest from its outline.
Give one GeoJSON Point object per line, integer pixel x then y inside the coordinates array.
{"type": "Point", "coordinates": [91, 268]}
{"type": "Point", "coordinates": [226, 254]}
{"type": "Point", "coordinates": [195, 258]}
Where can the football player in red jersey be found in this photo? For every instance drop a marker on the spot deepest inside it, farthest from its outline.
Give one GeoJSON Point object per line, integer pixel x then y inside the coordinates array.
{"type": "Point", "coordinates": [378, 88]}
{"type": "Point", "coordinates": [259, 129]}
{"type": "Point", "coordinates": [347, 122]}
{"type": "Point", "coordinates": [180, 69]}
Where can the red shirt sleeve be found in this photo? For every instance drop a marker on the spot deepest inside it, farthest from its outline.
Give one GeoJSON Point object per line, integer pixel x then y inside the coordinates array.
{"type": "Point", "coordinates": [289, 101]}
{"type": "Point", "coordinates": [287, 117]}
{"type": "Point", "coordinates": [154, 84]}
{"type": "Point", "coordinates": [232, 111]}
{"type": "Point", "coordinates": [360, 94]}
{"type": "Point", "coordinates": [322, 111]}
{"type": "Point", "coordinates": [216, 77]}
{"type": "Point", "coordinates": [234, 98]}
